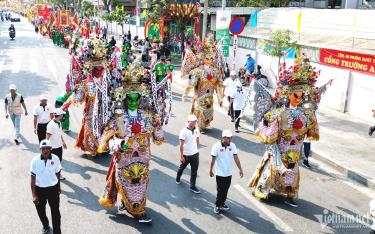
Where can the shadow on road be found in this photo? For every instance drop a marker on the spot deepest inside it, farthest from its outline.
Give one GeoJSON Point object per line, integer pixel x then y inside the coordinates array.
{"type": "Point", "coordinates": [74, 168]}
{"type": "Point", "coordinates": [202, 203]}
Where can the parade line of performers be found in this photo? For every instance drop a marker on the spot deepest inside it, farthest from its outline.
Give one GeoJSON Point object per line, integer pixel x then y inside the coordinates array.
{"type": "Point", "coordinates": [126, 105]}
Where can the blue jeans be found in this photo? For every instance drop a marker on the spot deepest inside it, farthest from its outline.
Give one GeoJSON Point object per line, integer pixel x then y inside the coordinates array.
{"type": "Point", "coordinates": [16, 119]}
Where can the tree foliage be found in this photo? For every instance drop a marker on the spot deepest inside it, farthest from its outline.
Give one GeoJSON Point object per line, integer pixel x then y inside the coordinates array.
{"type": "Point", "coordinates": [262, 3]}
{"type": "Point", "coordinates": [87, 8]}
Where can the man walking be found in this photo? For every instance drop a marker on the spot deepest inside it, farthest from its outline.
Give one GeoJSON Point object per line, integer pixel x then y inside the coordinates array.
{"type": "Point", "coordinates": [229, 88]}
{"type": "Point", "coordinates": [189, 141]}
{"type": "Point", "coordinates": [224, 152]}
{"type": "Point", "coordinates": [13, 108]}
{"type": "Point", "coordinates": [54, 134]}
{"type": "Point", "coordinates": [238, 104]}
{"type": "Point", "coordinates": [42, 116]}
{"type": "Point", "coordinates": [45, 186]}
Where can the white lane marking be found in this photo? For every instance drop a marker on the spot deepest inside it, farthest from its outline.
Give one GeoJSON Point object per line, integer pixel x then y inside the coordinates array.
{"type": "Point", "coordinates": [34, 66]}
{"type": "Point", "coordinates": [1, 65]}
{"type": "Point", "coordinates": [276, 220]}
{"type": "Point", "coordinates": [52, 68]}
{"type": "Point", "coordinates": [16, 66]}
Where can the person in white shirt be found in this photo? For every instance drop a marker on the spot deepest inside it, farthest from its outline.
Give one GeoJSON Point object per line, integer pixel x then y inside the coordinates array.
{"type": "Point", "coordinates": [42, 116]}
{"type": "Point", "coordinates": [54, 134]}
{"type": "Point", "coordinates": [189, 154]}
{"type": "Point", "coordinates": [222, 154]}
{"type": "Point", "coordinates": [228, 90]}
{"type": "Point", "coordinates": [45, 186]}
{"type": "Point", "coordinates": [238, 104]}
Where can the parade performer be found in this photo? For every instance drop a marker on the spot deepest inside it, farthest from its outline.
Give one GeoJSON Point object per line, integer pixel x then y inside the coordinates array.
{"type": "Point", "coordinates": [285, 121]}
{"type": "Point", "coordinates": [205, 79]}
{"type": "Point", "coordinates": [90, 81]}
{"type": "Point", "coordinates": [60, 100]}
{"type": "Point", "coordinates": [129, 133]}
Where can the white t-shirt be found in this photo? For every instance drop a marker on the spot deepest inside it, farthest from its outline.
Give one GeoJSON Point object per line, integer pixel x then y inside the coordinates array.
{"type": "Point", "coordinates": [55, 130]}
{"type": "Point", "coordinates": [224, 158]}
{"type": "Point", "coordinates": [43, 114]}
{"type": "Point", "coordinates": [238, 100]}
{"type": "Point", "coordinates": [230, 86]}
{"type": "Point", "coordinates": [45, 171]}
{"type": "Point", "coordinates": [190, 141]}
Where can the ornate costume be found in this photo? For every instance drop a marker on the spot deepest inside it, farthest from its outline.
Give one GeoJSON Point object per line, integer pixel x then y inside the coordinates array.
{"type": "Point", "coordinates": [205, 79]}
{"type": "Point", "coordinates": [284, 123]}
{"type": "Point", "coordinates": [129, 134]}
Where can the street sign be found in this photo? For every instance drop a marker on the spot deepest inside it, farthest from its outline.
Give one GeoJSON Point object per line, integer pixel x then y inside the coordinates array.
{"type": "Point", "coordinates": [237, 26]}
{"type": "Point", "coordinates": [222, 30]}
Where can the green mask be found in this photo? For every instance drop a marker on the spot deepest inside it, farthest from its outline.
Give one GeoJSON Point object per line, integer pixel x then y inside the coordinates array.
{"type": "Point", "coordinates": [133, 101]}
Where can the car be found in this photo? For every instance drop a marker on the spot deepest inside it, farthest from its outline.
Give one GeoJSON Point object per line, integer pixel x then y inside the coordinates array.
{"type": "Point", "coordinates": [15, 19]}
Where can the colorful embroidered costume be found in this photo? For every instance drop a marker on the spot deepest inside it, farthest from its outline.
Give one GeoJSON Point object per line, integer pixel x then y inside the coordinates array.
{"type": "Point", "coordinates": [286, 120]}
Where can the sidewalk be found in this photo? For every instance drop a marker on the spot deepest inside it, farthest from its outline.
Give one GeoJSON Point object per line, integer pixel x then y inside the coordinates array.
{"type": "Point", "coordinates": [345, 145]}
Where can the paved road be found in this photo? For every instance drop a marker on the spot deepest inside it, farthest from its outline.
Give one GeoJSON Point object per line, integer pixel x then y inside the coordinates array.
{"type": "Point", "coordinates": [37, 67]}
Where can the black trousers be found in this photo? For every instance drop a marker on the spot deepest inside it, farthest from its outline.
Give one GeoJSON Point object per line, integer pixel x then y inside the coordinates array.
{"type": "Point", "coordinates": [193, 160]}
{"type": "Point", "coordinates": [222, 185]}
{"type": "Point", "coordinates": [230, 109]}
{"type": "Point", "coordinates": [58, 152]}
{"type": "Point", "coordinates": [306, 149]}
{"type": "Point", "coordinates": [50, 194]}
{"type": "Point", "coordinates": [42, 131]}
{"type": "Point", "coordinates": [236, 115]}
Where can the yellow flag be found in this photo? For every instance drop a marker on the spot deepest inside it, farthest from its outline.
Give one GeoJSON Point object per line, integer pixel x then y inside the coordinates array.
{"type": "Point", "coordinates": [299, 16]}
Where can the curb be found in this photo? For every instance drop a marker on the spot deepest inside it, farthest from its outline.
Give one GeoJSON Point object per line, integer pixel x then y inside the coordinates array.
{"type": "Point", "coordinates": [348, 173]}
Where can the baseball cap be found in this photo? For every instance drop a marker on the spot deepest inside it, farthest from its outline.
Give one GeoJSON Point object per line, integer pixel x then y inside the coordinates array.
{"type": "Point", "coordinates": [45, 144]}
{"type": "Point", "coordinates": [43, 97]}
{"type": "Point", "coordinates": [58, 111]}
{"type": "Point", "coordinates": [12, 87]}
{"type": "Point", "coordinates": [192, 118]}
{"type": "Point", "coordinates": [227, 133]}
{"type": "Point", "coordinates": [233, 73]}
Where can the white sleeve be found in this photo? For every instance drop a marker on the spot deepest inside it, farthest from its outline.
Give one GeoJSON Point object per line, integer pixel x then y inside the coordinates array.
{"type": "Point", "coordinates": [50, 128]}
{"type": "Point", "coordinates": [234, 148]}
{"type": "Point", "coordinates": [35, 112]}
{"type": "Point", "coordinates": [225, 83]}
{"type": "Point", "coordinates": [182, 135]}
{"type": "Point", "coordinates": [58, 166]}
{"type": "Point", "coordinates": [33, 168]}
{"type": "Point", "coordinates": [214, 151]}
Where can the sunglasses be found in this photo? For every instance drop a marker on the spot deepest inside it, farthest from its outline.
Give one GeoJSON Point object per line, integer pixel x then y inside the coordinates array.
{"type": "Point", "coordinates": [297, 97]}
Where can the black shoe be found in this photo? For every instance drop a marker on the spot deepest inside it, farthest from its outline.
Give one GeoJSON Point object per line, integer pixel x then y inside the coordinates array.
{"type": "Point", "coordinates": [122, 207]}
{"type": "Point", "coordinates": [370, 132]}
{"type": "Point", "coordinates": [291, 202]}
{"type": "Point", "coordinates": [217, 210]}
{"type": "Point", "coordinates": [178, 181]}
{"type": "Point", "coordinates": [195, 190]}
{"type": "Point", "coordinates": [144, 219]}
{"type": "Point", "coordinates": [62, 177]}
{"type": "Point", "coordinates": [16, 140]}
{"type": "Point", "coordinates": [236, 130]}
{"type": "Point", "coordinates": [225, 207]}
{"type": "Point", "coordinates": [232, 120]}
{"type": "Point", "coordinates": [306, 164]}
{"type": "Point", "coordinates": [46, 229]}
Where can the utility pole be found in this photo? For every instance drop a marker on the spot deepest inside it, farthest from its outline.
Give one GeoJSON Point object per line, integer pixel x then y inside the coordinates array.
{"type": "Point", "coordinates": [204, 30]}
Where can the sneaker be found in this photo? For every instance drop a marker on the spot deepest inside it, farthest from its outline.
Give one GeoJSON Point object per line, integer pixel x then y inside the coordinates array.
{"type": "Point", "coordinates": [17, 141]}
{"type": "Point", "coordinates": [291, 202]}
{"type": "Point", "coordinates": [217, 210]}
{"type": "Point", "coordinates": [178, 181]}
{"type": "Point", "coordinates": [62, 177]}
{"type": "Point", "coordinates": [195, 190]}
{"type": "Point", "coordinates": [144, 219]}
{"type": "Point", "coordinates": [225, 207]}
{"type": "Point", "coordinates": [45, 229]}
{"type": "Point", "coordinates": [306, 164]}
{"type": "Point", "coordinates": [122, 207]}
{"type": "Point", "coordinates": [236, 130]}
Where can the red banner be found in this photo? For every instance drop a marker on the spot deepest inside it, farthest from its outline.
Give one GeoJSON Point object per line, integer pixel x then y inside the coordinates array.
{"type": "Point", "coordinates": [348, 60]}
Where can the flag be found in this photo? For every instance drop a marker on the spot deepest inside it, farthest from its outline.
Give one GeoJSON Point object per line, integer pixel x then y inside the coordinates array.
{"type": "Point", "coordinates": [299, 16]}
{"type": "Point", "coordinates": [254, 18]}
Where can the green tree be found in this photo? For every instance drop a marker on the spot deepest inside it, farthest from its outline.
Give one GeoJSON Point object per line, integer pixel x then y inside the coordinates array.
{"type": "Point", "coordinates": [87, 9]}
{"type": "Point", "coordinates": [262, 3]}
{"type": "Point", "coordinates": [279, 43]}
